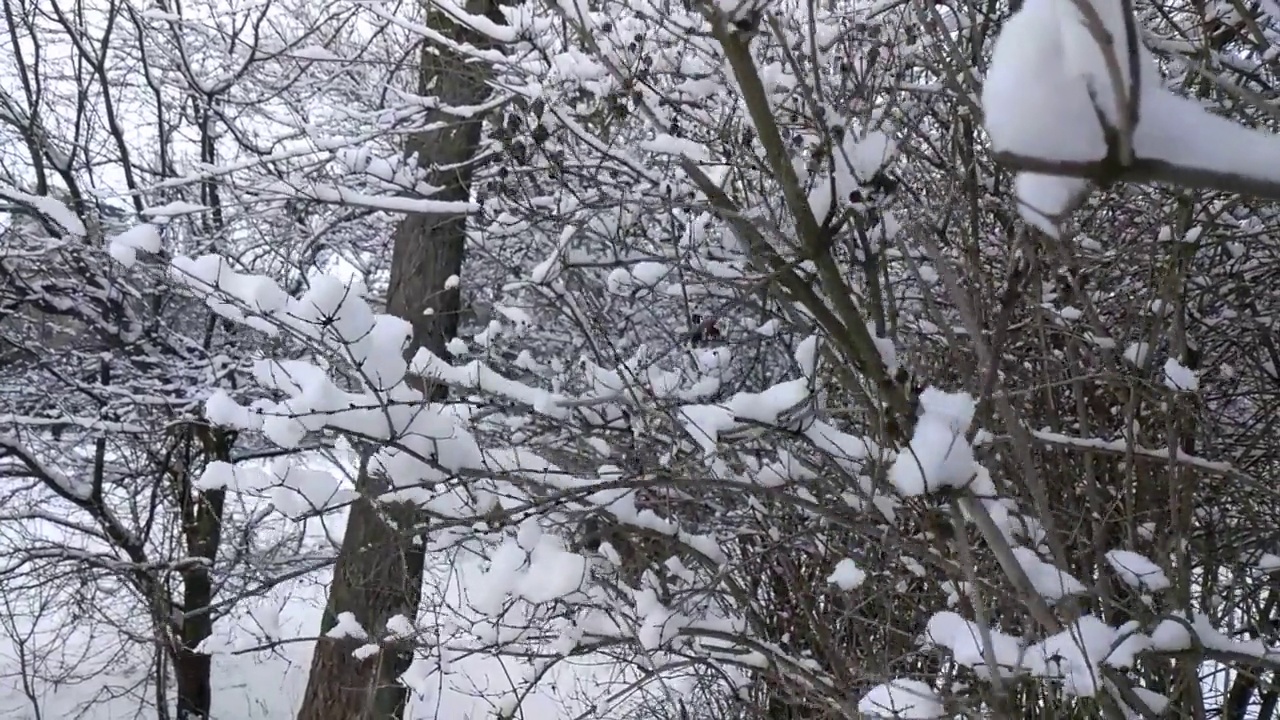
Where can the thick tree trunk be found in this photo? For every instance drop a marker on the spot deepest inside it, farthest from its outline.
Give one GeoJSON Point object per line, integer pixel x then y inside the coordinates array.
{"type": "Point", "coordinates": [379, 569]}
{"type": "Point", "coordinates": [191, 675]}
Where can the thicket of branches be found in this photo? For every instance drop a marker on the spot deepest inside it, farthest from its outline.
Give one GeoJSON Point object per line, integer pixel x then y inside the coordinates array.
{"type": "Point", "coordinates": [765, 386]}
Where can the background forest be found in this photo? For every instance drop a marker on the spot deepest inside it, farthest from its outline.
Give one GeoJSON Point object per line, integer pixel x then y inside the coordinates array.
{"type": "Point", "coordinates": [701, 360]}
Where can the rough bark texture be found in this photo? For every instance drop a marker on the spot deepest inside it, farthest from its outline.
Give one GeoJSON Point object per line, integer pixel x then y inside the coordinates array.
{"type": "Point", "coordinates": [379, 569]}
{"type": "Point", "coordinates": [202, 529]}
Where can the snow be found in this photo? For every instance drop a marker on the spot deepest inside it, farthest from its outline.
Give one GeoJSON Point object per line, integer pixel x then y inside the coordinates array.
{"type": "Point", "coordinates": [399, 627]}
{"type": "Point", "coordinates": [1124, 446]}
{"type": "Point", "coordinates": [885, 348]}
{"type": "Point", "coordinates": [346, 626]}
{"type": "Point", "coordinates": [366, 651]}
{"type": "Point", "coordinates": [535, 567]}
{"type": "Point", "coordinates": [856, 162]}
{"type": "Point", "coordinates": [806, 355]}
{"type": "Point", "coordinates": [78, 488]}
{"type": "Point", "coordinates": [903, 698]}
{"type": "Point", "coordinates": [1044, 198]}
{"type": "Point", "coordinates": [219, 475]}
{"type": "Point", "coordinates": [48, 207]}
{"type": "Point", "coordinates": [767, 329]}
{"type": "Point", "coordinates": [1132, 644]}
{"type": "Point", "coordinates": [261, 653]}
{"type": "Point", "coordinates": [1269, 562]}
{"type": "Point", "coordinates": [664, 144]}
{"type": "Point", "coordinates": [295, 491]}
{"type": "Point", "coordinates": [705, 422]}
{"type": "Point", "coordinates": [478, 376]}
{"type": "Point", "coordinates": [888, 227]}
{"type": "Point", "coordinates": [1074, 655]}
{"type": "Point", "coordinates": [214, 273]}
{"type": "Point", "coordinates": [847, 575]}
{"type": "Point", "coordinates": [268, 683]}
{"type": "Point", "coordinates": [820, 198]}
{"type": "Point", "coordinates": [939, 454]}
{"type": "Point", "coordinates": [1181, 131]}
{"type": "Point", "coordinates": [964, 639]}
{"type": "Point", "coordinates": [1052, 584]}
{"type": "Point", "coordinates": [531, 566]}
{"type": "Point", "coordinates": [1083, 59]}
{"type": "Point", "coordinates": [1174, 635]}
{"type": "Point", "coordinates": [1031, 104]}
{"type": "Point", "coordinates": [478, 23]}
{"type": "Point", "coordinates": [1070, 313]}
{"type": "Point", "coordinates": [1136, 353]}
{"type": "Point", "coordinates": [1048, 84]}
{"type": "Point", "coordinates": [870, 154]}
{"type": "Point", "coordinates": [154, 14]}
{"type": "Point", "coordinates": [553, 574]}
{"type": "Point", "coordinates": [221, 409]}
{"type": "Point", "coordinates": [1180, 378]}
{"type": "Point", "coordinates": [174, 209]}
{"type": "Point", "coordinates": [387, 203]}
{"type": "Point", "coordinates": [1171, 636]}
{"type": "Point", "coordinates": [1137, 570]}
{"type": "Point", "coordinates": [125, 246]}
{"type": "Point", "coordinates": [314, 52]}
{"type": "Point", "coordinates": [649, 274]}
{"type": "Point", "coordinates": [1155, 702]}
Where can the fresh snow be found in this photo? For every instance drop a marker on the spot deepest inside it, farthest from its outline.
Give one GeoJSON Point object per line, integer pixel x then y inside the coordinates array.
{"type": "Point", "coordinates": [48, 207]}
{"type": "Point", "coordinates": [965, 639]}
{"type": "Point", "coordinates": [1046, 87]}
{"type": "Point", "coordinates": [261, 659]}
{"type": "Point", "coordinates": [1048, 82]}
{"type": "Point", "coordinates": [847, 576]}
{"type": "Point", "coordinates": [125, 246]}
{"type": "Point", "coordinates": [1137, 570]}
{"type": "Point", "coordinates": [346, 626]}
{"type": "Point", "coordinates": [1052, 583]}
{"type": "Point", "coordinates": [174, 209]}
{"type": "Point", "coordinates": [1137, 352]}
{"type": "Point", "coordinates": [939, 455]}
{"type": "Point", "coordinates": [903, 699]}
{"type": "Point", "coordinates": [1180, 378]}
{"type": "Point", "coordinates": [1031, 103]}
{"type": "Point", "coordinates": [1074, 656]}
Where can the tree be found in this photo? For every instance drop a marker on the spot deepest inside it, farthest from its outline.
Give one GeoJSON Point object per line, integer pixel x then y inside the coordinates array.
{"type": "Point", "coordinates": [788, 401]}
{"type": "Point", "coordinates": [379, 571]}
{"type": "Point", "coordinates": [113, 514]}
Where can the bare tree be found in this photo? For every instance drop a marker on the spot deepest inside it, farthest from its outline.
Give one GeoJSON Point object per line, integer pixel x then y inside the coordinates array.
{"type": "Point", "coordinates": [106, 366]}
{"type": "Point", "coordinates": [379, 571]}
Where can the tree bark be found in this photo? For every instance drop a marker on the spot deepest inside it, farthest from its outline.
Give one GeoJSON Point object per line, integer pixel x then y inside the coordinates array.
{"type": "Point", "coordinates": [379, 570]}
{"type": "Point", "coordinates": [202, 527]}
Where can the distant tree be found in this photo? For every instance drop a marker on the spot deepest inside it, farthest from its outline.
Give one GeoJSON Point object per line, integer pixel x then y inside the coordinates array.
{"type": "Point", "coordinates": [121, 130]}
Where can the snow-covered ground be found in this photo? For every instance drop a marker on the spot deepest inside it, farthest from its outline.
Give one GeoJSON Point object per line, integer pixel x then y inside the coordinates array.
{"type": "Point", "coordinates": [248, 683]}
{"type": "Point", "coordinates": [260, 685]}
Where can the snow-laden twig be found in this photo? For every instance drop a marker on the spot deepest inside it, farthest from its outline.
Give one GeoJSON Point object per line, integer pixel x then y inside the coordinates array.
{"type": "Point", "coordinates": [1047, 116]}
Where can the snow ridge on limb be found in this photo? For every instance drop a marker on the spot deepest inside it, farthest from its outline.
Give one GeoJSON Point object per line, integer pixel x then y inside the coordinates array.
{"type": "Point", "coordinates": [1072, 99]}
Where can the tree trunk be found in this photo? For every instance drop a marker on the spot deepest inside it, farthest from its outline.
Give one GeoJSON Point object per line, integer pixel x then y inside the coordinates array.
{"type": "Point", "coordinates": [379, 570]}
{"type": "Point", "coordinates": [202, 524]}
